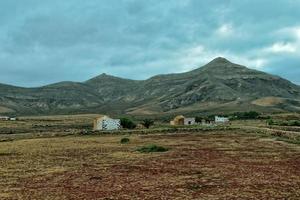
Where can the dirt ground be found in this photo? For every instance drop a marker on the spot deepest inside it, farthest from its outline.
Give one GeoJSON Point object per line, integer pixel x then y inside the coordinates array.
{"type": "Point", "coordinates": [210, 165]}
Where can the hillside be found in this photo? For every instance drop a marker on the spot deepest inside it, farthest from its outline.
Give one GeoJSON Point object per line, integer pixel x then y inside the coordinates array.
{"type": "Point", "coordinates": [219, 86]}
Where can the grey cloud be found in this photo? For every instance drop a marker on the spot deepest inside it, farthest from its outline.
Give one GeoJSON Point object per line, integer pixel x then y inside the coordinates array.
{"type": "Point", "coordinates": [47, 41]}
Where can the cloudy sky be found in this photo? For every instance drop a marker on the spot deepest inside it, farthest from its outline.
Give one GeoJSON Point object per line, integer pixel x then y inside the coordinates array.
{"type": "Point", "coordinates": [47, 41]}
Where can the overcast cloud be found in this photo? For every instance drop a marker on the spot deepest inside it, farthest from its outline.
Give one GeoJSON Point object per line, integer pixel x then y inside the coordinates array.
{"type": "Point", "coordinates": [47, 41]}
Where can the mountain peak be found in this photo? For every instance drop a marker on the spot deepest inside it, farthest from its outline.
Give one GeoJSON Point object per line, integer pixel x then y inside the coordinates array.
{"type": "Point", "coordinates": [221, 64]}
{"type": "Point", "coordinates": [104, 75]}
{"type": "Point", "coordinates": [219, 60]}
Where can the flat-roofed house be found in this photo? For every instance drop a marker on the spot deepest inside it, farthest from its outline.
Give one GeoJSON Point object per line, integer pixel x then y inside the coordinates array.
{"type": "Point", "coordinates": [106, 123]}
{"type": "Point", "coordinates": [4, 118]}
{"type": "Point", "coordinates": [221, 119]}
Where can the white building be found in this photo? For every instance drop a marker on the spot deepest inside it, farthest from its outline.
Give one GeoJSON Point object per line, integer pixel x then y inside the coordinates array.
{"type": "Point", "coordinates": [189, 121]}
{"type": "Point", "coordinates": [5, 118]}
{"type": "Point", "coordinates": [106, 123]}
{"type": "Point", "coordinates": [221, 119]}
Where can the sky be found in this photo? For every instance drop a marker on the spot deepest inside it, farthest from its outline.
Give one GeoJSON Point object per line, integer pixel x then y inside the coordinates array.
{"type": "Point", "coordinates": [43, 42]}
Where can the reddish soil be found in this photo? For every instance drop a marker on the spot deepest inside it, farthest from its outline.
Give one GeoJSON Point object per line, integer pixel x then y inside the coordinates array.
{"type": "Point", "coordinates": [210, 166]}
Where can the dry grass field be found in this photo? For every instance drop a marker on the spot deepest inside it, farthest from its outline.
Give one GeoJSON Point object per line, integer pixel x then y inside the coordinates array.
{"type": "Point", "coordinates": [45, 126]}
{"type": "Point", "coordinates": [203, 165]}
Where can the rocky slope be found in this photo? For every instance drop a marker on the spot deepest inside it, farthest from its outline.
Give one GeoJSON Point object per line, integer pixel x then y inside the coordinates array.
{"type": "Point", "coordinates": [219, 86]}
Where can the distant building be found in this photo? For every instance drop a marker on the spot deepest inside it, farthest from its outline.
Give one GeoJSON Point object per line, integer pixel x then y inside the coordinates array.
{"type": "Point", "coordinates": [189, 121]}
{"type": "Point", "coordinates": [4, 118]}
{"type": "Point", "coordinates": [178, 120]}
{"type": "Point", "coordinates": [106, 123]}
{"type": "Point", "coordinates": [181, 120]}
{"type": "Point", "coordinates": [221, 119]}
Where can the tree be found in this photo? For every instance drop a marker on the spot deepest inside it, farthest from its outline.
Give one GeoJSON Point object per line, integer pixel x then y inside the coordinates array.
{"type": "Point", "coordinates": [127, 123]}
{"type": "Point", "coordinates": [252, 115]}
{"type": "Point", "coordinates": [198, 119]}
{"type": "Point", "coordinates": [147, 123]}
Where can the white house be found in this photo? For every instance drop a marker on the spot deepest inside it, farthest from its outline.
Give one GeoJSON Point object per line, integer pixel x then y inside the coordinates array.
{"type": "Point", "coordinates": [5, 118]}
{"type": "Point", "coordinates": [189, 121]}
{"type": "Point", "coordinates": [106, 123]}
{"type": "Point", "coordinates": [221, 119]}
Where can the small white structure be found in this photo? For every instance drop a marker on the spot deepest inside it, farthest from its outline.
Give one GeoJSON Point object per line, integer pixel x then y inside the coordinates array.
{"type": "Point", "coordinates": [106, 123]}
{"type": "Point", "coordinates": [221, 119]}
{"type": "Point", "coordinates": [4, 118]}
{"type": "Point", "coordinates": [189, 121]}
{"type": "Point", "coordinates": [13, 119]}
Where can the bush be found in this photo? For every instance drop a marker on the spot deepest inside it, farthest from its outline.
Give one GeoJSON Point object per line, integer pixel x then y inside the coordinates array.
{"type": "Point", "coordinates": [147, 123]}
{"type": "Point", "coordinates": [124, 140]}
{"type": "Point", "coordinates": [211, 117]}
{"type": "Point", "coordinates": [270, 122]}
{"type": "Point", "coordinates": [151, 148]}
{"type": "Point", "coordinates": [127, 123]}
{"type": "Point", "coordinates": [294, 123]}
{"type": "Point", "coordinates": [284, 123]}
{"type": "Point", "coordinates": [198, 119]}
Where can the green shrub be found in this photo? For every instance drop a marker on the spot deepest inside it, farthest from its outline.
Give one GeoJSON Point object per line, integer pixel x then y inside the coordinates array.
{"type": "Point", "coordinates": [270, 122]}
{"type": "Point", "coordinates": [294, 123]}
{"type": "Point", "coordinates": [198, 119]}
{"type": "Point", "coordinates": [127, 123]}
{"type": "Point", "coordinates": [147, 123]}
{"type": "Point", "coordinates": [125, 140]}
{"type": "Point", "coordinates": [151, 148]}
{"type": "Point", "coordinates": [284, 123]}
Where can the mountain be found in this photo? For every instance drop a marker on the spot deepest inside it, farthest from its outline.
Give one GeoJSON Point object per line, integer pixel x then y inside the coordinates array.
{"type": "Point", "coordinates": [217, 87]}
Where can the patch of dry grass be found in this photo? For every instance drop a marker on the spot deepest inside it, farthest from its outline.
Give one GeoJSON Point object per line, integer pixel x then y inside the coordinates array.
{"type": "Point", "coordinates": [207, 165]}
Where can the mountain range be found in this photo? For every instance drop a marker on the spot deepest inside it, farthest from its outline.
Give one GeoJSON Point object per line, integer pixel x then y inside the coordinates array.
{"type": "Point", "coordinates": [217, 87]}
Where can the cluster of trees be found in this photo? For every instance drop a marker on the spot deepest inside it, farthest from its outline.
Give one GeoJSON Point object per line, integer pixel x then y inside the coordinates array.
{"type": "Point", "coordinates": [199, 119]}
{"type": "Point", "coordinates": [129, 124]}
{"type": "Point", "coordinates": [147, 123]}
{"type": "Point", "coordinates": [246, 115]}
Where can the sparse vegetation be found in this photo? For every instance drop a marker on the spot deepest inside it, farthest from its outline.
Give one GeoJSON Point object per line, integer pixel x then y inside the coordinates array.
{"type": "Point", "coordinates": [151, 149]}
{"type": "Point", "coordinates": [297, 142]}
{"type": "Point", "coordinates": [28, 168]}
{"type": "Point", "coordinates": [272, 122]}
{"type": "Point", "coordinates": [89, 154]}
{"type": "Point", "coordinates": [33, 167]}
{"type": "Point", "coordinates": [245, 115]}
